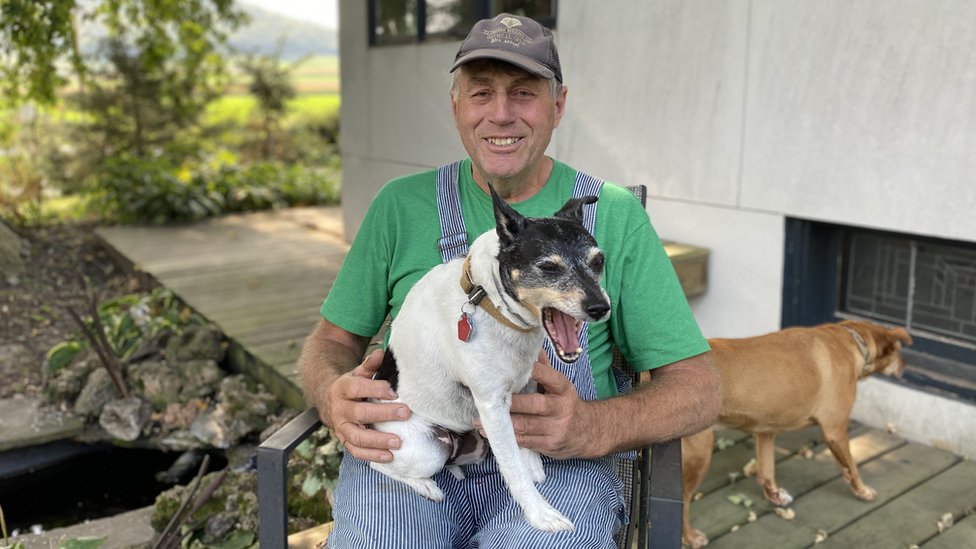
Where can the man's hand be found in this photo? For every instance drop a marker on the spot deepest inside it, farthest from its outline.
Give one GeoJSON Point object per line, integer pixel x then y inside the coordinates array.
{"type": "Point", "coordinates": [349, 411]}
{"type": "Point", "coordinates": [553, 420]}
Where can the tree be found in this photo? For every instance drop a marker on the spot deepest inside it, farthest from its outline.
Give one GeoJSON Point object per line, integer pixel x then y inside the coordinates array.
{"type": "Point", "coordinates": [37, 38]}
{"type": "Point", "coordinates": [270, 82]}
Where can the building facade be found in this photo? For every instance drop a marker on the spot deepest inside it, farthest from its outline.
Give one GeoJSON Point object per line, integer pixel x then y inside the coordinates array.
{"type": "Point", "coordinates": [824, 152]}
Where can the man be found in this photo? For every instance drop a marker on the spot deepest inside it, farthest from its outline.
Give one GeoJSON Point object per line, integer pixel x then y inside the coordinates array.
{"type": "Point", "coordinates": [507, 97]}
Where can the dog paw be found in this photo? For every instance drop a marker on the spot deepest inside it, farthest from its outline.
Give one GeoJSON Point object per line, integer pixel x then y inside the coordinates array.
{"type": "Point", "coordinates": [533, 462]}
{"type": "Point", "coordinates": [694, 539]}
{"type": "Point", "coordinates": [427, 488]}
{"type": "Point", "coordinates": [548, 519]}
{"type": "Point", "coordinates": [779, 497]}
{"type": "Point", "coordinates": [866, 493]}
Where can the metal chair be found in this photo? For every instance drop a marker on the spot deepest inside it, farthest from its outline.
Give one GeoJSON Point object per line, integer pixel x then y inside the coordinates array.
{"type": "Point", "coordinates": [652, 482]}
{"type": "Point", "coordinates": [655, 489]}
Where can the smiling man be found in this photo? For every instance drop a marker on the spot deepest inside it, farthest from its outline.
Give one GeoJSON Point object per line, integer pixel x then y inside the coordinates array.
{"type": "Point", "coordinates": [507, 97]}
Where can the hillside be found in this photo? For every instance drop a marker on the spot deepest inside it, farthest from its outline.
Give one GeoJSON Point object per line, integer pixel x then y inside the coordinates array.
{"type": "Point", "coordinates": [260, 36]}
{"type": "Point", "coordinates": [267, 28]}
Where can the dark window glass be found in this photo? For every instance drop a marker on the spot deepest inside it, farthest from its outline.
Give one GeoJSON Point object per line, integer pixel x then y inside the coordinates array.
{"type": "Point", "coordinates": [413, 21]}
{"type": "Point", "coordinates": [394, 21]}
{"type": "Point", "coordinates": [928, 286]}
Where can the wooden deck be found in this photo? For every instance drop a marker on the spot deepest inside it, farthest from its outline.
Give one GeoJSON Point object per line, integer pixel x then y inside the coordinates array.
{"type": "Point", "coordinates": [261, 277]}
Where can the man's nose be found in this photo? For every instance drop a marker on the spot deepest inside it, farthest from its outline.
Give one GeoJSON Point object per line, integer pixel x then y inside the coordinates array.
{"type": "Point", "coordinates": [501, 109]}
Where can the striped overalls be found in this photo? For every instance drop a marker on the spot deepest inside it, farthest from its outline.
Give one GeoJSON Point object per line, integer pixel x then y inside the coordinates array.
{"type": "Point", "coordinates": [372, 510]}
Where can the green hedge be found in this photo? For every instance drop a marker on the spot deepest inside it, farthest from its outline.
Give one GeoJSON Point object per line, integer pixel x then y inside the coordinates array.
{"type": "Point", "coordinates": [134, 190]}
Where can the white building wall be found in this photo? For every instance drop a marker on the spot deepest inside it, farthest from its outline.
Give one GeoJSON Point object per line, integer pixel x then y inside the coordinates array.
{"type": "Point", "coordinates": [735, 114]}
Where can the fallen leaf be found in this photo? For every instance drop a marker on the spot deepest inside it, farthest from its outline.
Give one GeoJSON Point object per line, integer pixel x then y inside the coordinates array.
{"type": "Point", "coordinates": [750, 468]}
{"type": "Point", "coordinates": [751, 517]}
{"type": "Point", "coordinates": [785, 513]}
{"type": "Point", "coordinates": [820, 537]}
{"type": "Point", "coordinates": [722, 443]}
{"type": "Point", "coordinates": [945, 522]}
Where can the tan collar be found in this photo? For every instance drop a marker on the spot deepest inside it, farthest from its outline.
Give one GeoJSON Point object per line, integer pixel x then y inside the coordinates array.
{"type": "Point", "coordinates": [476, 296]}
{"type": "Point", "coordinates": [863, 347]}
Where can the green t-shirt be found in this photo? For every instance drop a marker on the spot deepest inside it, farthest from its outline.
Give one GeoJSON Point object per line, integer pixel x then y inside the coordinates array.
{"type": "Point", "coordinates": [650, 320]}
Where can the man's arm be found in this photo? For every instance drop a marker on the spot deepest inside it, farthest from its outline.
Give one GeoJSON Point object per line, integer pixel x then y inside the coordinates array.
{"type": "Point", "coordinates": [337, 384]}
{"type": "Point", "coordinates": [679, 399]}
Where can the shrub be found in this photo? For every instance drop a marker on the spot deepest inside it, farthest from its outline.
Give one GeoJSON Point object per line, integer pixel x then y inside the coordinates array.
{"type": "Point", "coordinates": [134, 190]}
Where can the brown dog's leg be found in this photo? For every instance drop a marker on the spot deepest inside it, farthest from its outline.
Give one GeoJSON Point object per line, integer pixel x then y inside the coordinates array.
{"type": "Point", "coordinates": [696, 457]}
{"type": "Point", "coordinates": [766, 470]}
{"type": "Point", "coordinates": [839, 444]}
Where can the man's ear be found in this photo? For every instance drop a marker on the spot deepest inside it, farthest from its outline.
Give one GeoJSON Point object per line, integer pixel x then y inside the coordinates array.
{"type": "Point", "coordinates": [508, 222]}
{"type": "Point", "coordinates": [573, 209]}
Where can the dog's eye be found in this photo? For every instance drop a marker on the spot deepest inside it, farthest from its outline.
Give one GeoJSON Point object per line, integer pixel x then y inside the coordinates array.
{"type": "Point", "coordinates": [550, 267]}
{"type": "Point", "coordinates": [597, 263]}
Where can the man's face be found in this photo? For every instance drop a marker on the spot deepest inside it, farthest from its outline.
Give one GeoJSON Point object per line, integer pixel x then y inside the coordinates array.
{"type": "Point", "coordinates": [505, 117]}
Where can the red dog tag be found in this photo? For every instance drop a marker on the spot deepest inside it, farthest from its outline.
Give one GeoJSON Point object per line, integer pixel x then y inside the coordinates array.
{"type": "Point", "coordinates": [465, 327]}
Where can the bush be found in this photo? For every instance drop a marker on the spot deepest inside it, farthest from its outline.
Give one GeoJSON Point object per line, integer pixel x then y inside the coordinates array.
{"type": "Point", "coordinates": [134, 190]}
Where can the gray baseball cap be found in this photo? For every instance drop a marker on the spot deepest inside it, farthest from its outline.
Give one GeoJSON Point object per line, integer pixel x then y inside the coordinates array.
{"type": "Point", "coordinates": [518, 40]}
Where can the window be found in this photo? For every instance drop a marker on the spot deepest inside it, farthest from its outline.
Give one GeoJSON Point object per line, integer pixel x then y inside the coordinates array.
{"type": "Point", "coordinates": [927, 285]}
{"type": "Point", "coordinates": [412, 21]}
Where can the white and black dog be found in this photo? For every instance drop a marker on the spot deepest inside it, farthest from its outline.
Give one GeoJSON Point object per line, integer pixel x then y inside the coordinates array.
{"type": "Point", "coordinates": [467, 337]}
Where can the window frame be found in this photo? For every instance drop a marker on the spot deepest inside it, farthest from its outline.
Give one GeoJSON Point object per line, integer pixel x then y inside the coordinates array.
{"type": "Point", "coordinates": [483, 10]}
{"type": "Point", "coordinates": [816, 258]}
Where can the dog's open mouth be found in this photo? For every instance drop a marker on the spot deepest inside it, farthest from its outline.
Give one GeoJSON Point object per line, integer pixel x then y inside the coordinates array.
{"type": "Point", "coordinates": [563, 331]}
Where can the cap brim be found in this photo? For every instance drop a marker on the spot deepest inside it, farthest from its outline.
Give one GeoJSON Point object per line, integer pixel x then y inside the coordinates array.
{"type": "Point", "coordinates": [517, 59]}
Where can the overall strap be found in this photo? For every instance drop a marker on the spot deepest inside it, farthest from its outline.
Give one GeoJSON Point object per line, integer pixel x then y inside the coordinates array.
{"type": "Point", "coordinates": [580, 372]}
{"type": "Point", "coordinates": [454, 237]}
{"type": "Point", "coordinates": [454, 242]}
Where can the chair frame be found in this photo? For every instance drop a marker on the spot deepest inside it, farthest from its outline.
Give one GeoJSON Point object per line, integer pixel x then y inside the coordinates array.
{"type": "Point", "coordinates": [655, 487]}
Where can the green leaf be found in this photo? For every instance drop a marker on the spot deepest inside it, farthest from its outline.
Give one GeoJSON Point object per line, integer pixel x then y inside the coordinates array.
{"type": "Point", "coordinates": [235, 540]}
{"type": "Point", "coordinates": [311, 486]}
{"type": "Point", "coordinates": [61, 355]}
{"type": "Point", "coordinates": [86, 542]}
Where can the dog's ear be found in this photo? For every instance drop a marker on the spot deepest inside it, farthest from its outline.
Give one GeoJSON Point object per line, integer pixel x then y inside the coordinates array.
{"type": "Point", "coordinates": [901, 334]}
{"type": "Point", "coordinates": [508, 222]}
{"type": "Point", "coordinates": [573, 209]}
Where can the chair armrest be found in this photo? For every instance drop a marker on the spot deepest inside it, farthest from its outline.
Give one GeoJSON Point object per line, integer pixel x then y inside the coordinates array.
{"type": "Point", "coordinates": [273, 477]}
{"type": "Point", "coordinates": [665, 497]}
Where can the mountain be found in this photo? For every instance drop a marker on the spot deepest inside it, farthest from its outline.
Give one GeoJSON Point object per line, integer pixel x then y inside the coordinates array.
{"type": "Point", "coordinates": [260, 36]}
{"type": "Point", "coordinates": [266, 29]}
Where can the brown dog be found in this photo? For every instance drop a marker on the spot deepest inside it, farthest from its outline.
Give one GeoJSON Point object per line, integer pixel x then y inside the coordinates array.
{"type": "Point", "coordinates": [787, 380]}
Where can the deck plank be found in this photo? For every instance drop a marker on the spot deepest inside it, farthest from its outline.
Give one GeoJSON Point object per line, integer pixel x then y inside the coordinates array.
{"type": "Point", "coordinates": [913, 518]}
{"type": "Point", "coordinates": [716, 515]}
{"type": "Point", "coordinates": [832, 506]}
{"type": "Point", "coordinates": [961, 534]}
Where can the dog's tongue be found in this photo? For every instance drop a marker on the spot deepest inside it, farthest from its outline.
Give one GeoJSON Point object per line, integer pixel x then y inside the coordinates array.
{"type": "Point", "coordinates": [562, 331]}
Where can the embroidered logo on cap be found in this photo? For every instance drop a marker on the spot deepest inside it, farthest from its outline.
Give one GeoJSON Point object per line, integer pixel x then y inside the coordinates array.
{"type": "Point", "coordinates": [508, 34]}
{"type": "Point", "coordinates": [510, 22]}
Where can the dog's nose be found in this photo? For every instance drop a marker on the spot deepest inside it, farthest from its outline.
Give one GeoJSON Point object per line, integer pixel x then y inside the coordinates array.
{"type": "Point", "coordinates": [597, 310]}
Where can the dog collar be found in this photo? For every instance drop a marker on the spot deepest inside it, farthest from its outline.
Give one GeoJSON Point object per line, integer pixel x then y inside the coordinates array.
{"type": "Point", "coordinates": [477, 294]}
{"type": "Point", "coordinates": [863, 347]}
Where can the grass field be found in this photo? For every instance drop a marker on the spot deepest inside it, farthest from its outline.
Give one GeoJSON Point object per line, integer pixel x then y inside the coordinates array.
{"type": "Point", "coordinates": [316, 80]}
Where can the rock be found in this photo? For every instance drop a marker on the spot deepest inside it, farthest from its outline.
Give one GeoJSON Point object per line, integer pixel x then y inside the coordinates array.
{"type": "Point", "coordinates": [247, 402]}
{"type": "Point", "coordinates": [201, 377]}
{"type": "Point", "coordinates": [97, 392]}
{"type": "Point", "coordinates": [124, 418]}
{"type": "Point", "coordinates": [214, 428]}
{"type": "Point", "coordinates": [157, 381]}
{"type": "Point", "coordinates": [11, 254]}
{"type": "Point", "coordinates": [204, 342]}
{"type": "Point", "coordinates": [68, 382]}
